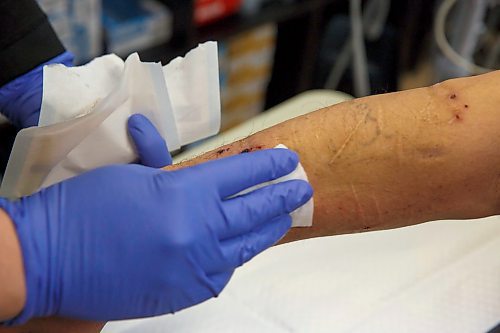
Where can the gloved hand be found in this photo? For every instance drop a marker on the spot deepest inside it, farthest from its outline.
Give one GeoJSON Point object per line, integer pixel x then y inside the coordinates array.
{"type": "Point", "coordinates": [21, 99]}
{"type": "Point", "coordinates": [130, 241]}
{"type": "Point", "coordinates": [150, 146]}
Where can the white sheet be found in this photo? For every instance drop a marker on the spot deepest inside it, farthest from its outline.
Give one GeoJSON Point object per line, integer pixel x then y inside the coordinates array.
{"type": "Point", "coordinates": [436, 277]}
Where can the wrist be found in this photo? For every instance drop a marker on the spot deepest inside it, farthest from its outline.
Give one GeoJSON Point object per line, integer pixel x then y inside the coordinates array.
{"type": "Point", "coordinates": [34, 277]}
{"type": "Point", "coordinates": [13, 286]}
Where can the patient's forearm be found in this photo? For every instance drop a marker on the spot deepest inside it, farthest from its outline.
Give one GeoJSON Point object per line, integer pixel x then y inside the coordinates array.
{"type": "Point", "coordinates": [55, 325]}
{"type": "Point", "coordinates": [397, 159]}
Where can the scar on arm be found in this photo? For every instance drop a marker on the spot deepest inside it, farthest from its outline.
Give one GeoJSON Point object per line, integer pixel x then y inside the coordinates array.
{"type": "Point", "coordinates": [359, 208]}
{"type": "Point", "coordinates": [349, 137]}
{"type": "Point", "coordinates": [377, 208]}
{"type": "Point", "coordinates": [426, 112]}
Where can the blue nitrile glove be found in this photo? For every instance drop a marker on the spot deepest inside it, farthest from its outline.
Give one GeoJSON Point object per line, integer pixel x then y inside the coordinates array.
{"type": "Point", "coordinates": [21, 98]}
{"type": "Point", "coordinates": [131, 241]}
{"type": "Point", "coordinates": [150, 146]}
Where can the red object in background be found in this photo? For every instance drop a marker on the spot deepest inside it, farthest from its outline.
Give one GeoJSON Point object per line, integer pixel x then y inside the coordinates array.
{"type": "Point", "coordinates": [207, 11]}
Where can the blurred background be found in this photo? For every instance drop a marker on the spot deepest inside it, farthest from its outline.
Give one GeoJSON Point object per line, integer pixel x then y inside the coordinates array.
{"type": "Point", "coordinates": [272, 50]}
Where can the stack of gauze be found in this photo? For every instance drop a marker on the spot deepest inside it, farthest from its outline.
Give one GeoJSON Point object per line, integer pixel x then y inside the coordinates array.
{"type": "Point", "coordinates": [84, 113]}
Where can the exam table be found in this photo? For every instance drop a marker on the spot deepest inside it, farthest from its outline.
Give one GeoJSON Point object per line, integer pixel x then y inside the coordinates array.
{"type": "Point", "coordinates": [435, 277]}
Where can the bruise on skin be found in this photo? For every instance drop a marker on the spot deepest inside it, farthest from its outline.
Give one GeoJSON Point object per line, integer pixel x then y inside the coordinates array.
{"type": "Point", "coordinates": [431, 151]}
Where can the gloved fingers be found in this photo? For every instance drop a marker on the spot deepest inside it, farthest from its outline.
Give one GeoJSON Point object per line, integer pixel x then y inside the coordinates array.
{"type": "Point", "coordinates": [241, 249]}
{"type": "Point", "coordinates": [220, 280]}
{"type": "Point", "coordinates": [66, 58]}
{"type": "Point", "coordinates": [19, 104]}
{"type": "Point", "coordinates": [151, 147]}
{"type": "Point", "coordinates": [236, 173]}
{"type": "Point", "coordinates": [21, 99]}
{"type": "Point", "coordinates": [246, 212]}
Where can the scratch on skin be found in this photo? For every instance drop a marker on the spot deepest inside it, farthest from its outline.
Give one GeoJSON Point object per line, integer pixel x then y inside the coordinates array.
{"type": "Point", "coordinates": [358, 205]}
{"type": "Point", "coordinates": [377, 207]}
{"type": "Point", "coordinates": [427, 109]}
{"type": "Point", "coordinates": [399, 149]}
{"type": "Point", "coordinates": [380, 117]}
{"type": "Point", "coordinates": [496, 185]}
{"type": "Point", "coordinates": [349, 137]}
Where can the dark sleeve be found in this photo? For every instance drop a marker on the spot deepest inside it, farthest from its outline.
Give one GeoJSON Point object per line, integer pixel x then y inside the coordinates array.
{"type": "Point", "coordinates": [26, 38]}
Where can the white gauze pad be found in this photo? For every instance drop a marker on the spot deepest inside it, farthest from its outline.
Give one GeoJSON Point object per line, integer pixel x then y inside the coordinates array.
{"type": "Point", "coordinates": [303, 216]}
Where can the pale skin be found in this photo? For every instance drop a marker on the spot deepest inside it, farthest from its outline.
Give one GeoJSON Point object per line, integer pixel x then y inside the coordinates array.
{"type": "Point", "coordinates": [384, 161]}
{"type": "Point", "coordinates": [13, 289]}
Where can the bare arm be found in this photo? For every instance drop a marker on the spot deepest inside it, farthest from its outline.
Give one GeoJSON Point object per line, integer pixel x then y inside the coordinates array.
{"type": "Point", "coordinates": [12, 285]}
{"type": "Point", "coordinates": [56, 325]}
{"type": "Point", "coordinates": [394, 160]}
{"type": "Point", "coordinates": [13, 290]}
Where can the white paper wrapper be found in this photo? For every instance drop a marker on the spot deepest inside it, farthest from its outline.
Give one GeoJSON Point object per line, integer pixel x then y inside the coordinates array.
{"type": "Point", "coordinates": [85, 111]}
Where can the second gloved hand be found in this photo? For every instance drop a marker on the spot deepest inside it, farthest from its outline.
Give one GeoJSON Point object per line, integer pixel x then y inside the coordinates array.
{"type": "Point", "coordinates": [21, 99]}
{"type": "Point", "coordinates": [131, 241]}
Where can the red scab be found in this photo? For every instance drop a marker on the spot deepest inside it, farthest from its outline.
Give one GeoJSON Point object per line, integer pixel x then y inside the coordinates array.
{"type": "Point", "coordinates": [453, 96]}
{"type": "Point", "coordinates": [458, 117]}
{"type": "Point", "coordinates": [251, 149]}
{"type": "Point", "coordinates": [220, 151]}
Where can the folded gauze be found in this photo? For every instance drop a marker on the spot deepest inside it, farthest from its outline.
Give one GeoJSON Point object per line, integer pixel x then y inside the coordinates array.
{"type": "Point", "coordinates": [84, 113]}
{"type": "Point", "coordinates": [302, 216]}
